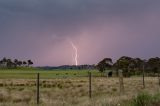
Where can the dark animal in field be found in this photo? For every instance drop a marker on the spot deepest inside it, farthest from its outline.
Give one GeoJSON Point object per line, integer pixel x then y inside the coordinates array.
{"type": "Point", "coordinates": [110, 74]}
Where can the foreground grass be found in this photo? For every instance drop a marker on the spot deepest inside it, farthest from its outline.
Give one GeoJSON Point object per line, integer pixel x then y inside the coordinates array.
{"type": "Point", "coordinates": [74, 91]}
{"type": "Point", "coordinates": [70, 88]}
{"type": "Point", "coordinates": [146, 99]}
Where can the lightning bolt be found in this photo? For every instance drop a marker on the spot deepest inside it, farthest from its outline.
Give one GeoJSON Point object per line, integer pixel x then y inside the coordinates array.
{"type": "Point", "coordinates": [76, 53]}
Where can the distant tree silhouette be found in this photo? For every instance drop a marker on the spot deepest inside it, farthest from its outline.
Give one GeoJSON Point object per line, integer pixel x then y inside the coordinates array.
{"type": "Point", "coordinates": [4, 60]}
{"type": "Point", "coordinates": [19, 63]}
{"type": "Point", "coordinates": [1, 62]}
{"type": "Point", "coordinates": [24, 63]}
{"type": "Point", "coordinates": [16, 62]}
{"type": "Point", "coordinates": [8, 63]}
{"type": "Point", "coordinates": [29, 62]}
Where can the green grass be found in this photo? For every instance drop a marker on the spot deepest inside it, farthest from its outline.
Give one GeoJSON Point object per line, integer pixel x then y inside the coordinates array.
{"type": "Point", "coordinates": [146, 99]}
{"type": "Point", "coordinates": [30, 73]}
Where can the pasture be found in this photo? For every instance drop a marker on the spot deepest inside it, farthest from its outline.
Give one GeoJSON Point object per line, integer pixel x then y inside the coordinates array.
{"type": "Point", "coordinates": [30, 73]}
{"type": "Point", "coordinates": [18, 87]}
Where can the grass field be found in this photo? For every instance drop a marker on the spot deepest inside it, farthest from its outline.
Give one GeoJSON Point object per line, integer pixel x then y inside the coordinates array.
{"type": "Point", "coordinates": [18, 88]}
{"type": "Point", "coordinates": [30, 73]}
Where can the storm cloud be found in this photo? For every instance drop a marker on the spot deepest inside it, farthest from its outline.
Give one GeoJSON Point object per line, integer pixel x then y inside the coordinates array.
{"type": "Point", "coordinates": [41, 29]}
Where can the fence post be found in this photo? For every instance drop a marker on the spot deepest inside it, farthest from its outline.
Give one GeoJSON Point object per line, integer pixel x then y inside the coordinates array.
{"type": "Point", "coordinates": [158, 77]}
{"type": "Point", "coordinates": [143, 76]}
{"type": "Point", "coordinates": [90, 86]}
{"type": "Point", "coordinates": [120, 73]}
{"type": "Point", "coordinates": [37, 88]}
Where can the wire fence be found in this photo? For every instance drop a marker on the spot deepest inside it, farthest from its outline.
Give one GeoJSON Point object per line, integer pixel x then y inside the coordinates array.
{"type": "Point", "coordinates": [53, 87]}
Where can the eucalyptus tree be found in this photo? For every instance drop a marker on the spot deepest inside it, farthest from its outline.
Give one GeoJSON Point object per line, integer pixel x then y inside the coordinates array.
{"type": "Point", "coordinates": [124, 63]}
{"type": "Point", "coordinates": [4, 60]}
{"type": "Point", "coordinates": [1, 63]}
{"type": "Point", "coordinates": [138, 65]}
{"type": "Point", "coordinates": [16, 62]}
{"type": "Point", "coordinates": [10, 64]}
{"type": "Point", "coordinates": [104, 64]}
{"type": "Point", "coordinates": [24, 63]}
{"type": "Point", "coordinates": [154, 64]}
{"type": "Point", "coordinates": [19, 63]}
{"type": "Point", "coordinates": [29, 62]}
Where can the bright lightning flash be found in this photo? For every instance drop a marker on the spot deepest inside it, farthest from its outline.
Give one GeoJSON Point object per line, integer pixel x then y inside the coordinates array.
{"type": "Point", "coordinates": [76, 53]}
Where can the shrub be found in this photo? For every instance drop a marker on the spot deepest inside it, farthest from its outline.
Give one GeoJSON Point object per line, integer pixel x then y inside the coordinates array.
{"type": "Point", "coordinates": [145, 99]}
{"type": "Point", "coordinates": [156, 100]}
{"type": "Point", "coordinates": [142, 99]}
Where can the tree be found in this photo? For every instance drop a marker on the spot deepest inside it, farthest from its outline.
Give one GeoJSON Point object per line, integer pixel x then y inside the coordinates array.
{"type": "Point", "coordinates": [105, 63]}
{"type": "Point", "coordinates": [124, 63]}
{"type": "Point", "coordinates": [1, 62]}
{"type": "Point", "coordinates": [154, 64]}
{"type": "Point", "coordinates": [29, 62]}
{"type": "Point", "coordinates": [10, 64]}
{"type": "Point", "coordinates": [24, 63]}
{"type": "Point", "coordinates": [137, 64]}
{"type": "Point", "coordinates": [4, 62]}
{"type": "Point", "coordinates": [19, 63]}
{"type": "Point", "coordinates": [15, 62]}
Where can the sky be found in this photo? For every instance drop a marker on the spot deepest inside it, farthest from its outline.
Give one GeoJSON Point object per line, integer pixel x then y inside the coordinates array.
{"type": "Point", "coordinates": [41, 30]}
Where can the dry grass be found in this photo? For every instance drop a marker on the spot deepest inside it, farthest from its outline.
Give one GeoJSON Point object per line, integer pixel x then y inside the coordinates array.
{"type": "Point", "coordinates": [72, 92]}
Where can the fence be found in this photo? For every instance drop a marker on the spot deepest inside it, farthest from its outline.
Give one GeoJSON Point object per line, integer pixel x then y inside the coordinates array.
{"type": "Point", "coordinates": [40, 88]}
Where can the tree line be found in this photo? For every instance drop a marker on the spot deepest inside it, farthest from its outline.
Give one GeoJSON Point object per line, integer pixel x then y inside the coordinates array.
{"type": "Point", "coordinates": [130, 66]}
{"type": "Point", "coordinates": [9, 63]}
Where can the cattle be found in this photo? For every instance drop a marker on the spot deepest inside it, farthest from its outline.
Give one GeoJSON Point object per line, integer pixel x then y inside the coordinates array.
{"type": "Point", "coordinates": [110, 74]}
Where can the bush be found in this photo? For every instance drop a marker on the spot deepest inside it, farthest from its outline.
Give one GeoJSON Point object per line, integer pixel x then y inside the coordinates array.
{"type": "Point", "coordinates": [143, 99]}
{"type": "Point", "coordinates": [156, 100]}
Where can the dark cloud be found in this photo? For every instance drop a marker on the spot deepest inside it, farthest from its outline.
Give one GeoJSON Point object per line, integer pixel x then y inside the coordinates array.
{"type": "Point", "coordinates": [39, 29]}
